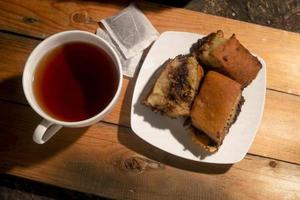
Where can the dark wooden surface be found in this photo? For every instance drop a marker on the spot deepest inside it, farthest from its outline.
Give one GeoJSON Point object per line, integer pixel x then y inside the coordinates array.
{"type": "Point", "coordinates": [275, 13]}
{"type": "Point", "coordinates": [16, 188]}
{"type": "Point", "coordinates": [270, 161]}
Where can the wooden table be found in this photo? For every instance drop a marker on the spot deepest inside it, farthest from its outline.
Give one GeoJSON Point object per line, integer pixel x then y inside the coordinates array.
{"type": "Point", "coordinates": [108, 159]}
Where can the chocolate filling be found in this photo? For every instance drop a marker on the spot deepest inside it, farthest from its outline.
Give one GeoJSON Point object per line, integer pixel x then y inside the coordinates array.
{"type": "Point", "coordinates": [180, 90]}
{"type": "Point", "coordinates": [238, 110]}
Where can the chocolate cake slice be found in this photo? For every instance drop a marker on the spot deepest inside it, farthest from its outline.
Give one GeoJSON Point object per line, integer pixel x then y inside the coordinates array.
{"type": "Point", "coordinates": [176, 87]}
{"type": "Point", "coordinates": [227, 56]}
{"type": "Point", "coordinates": [216, 107]}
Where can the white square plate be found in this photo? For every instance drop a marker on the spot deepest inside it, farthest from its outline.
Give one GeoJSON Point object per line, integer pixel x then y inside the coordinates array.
{"type": "Point", "coordinates": [169, 134]}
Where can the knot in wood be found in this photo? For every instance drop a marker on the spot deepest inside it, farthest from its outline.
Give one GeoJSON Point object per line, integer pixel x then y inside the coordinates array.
{"type": "Point", "coordinates": [133, 164]}
{"type": "Point", "coordinates": [81, 17]}
{"type": "Point", "coordinates": [272, 164]}
{"type": "Point", "coordinates": [29, 20]}
{"type": "Point", "coordinates": [139, 164]}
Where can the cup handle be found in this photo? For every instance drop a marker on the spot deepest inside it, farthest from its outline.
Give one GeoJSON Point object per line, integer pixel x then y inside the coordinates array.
{"type": "Point", "coordinates": [44, 131]}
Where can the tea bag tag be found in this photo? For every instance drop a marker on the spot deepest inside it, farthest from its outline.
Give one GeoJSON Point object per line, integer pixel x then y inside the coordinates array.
{"type": "Point", "coordinates": [130, 32]}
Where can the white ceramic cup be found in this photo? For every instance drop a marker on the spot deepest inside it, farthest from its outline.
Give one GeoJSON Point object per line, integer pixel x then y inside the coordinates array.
{"type": "Point", "coordinates": [49, 125]}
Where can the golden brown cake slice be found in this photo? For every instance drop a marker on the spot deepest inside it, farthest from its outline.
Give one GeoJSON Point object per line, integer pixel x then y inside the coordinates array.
{"type": "Point", "coordinates": [176, 87]}
{"type": "Point", "coordinates": [229, 57]}
{"type": "Point", "coordinates": [216, 106]}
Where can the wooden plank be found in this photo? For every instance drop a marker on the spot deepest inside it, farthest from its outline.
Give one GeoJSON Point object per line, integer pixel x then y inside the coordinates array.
{"type": "Point", "coordinates": [14, 51]}
{"type": "Point", "coordinates": [33, 17]}
{"type": "Point", "coordinates": [111, 161]}
{"type": "Point", "coordinates": [277, 137]}
{"type": "Point", "coordinates": [279, 48]}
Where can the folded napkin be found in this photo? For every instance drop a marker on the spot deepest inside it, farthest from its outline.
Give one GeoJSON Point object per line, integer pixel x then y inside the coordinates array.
{"type": "Point", "coordinates": [130, 33]}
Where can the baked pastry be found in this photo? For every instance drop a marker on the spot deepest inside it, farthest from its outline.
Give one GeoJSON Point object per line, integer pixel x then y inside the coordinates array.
{"type": "Point", "coordinates": [216, 107]}
{"type": "Point", "coordinates": [176, 86]}
{"type": "Point", "coordinates": [227, 56]}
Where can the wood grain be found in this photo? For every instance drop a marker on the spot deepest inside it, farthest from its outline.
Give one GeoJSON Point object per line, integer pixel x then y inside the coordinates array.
{"type": "Point", "coordinates": [277, 137]}
{"type": "Point", "coordinates": [14, 51]}
{"type": "Point", "coordinates": [109, 160]}
{"type": "Point", "coordinates": [279, 48]}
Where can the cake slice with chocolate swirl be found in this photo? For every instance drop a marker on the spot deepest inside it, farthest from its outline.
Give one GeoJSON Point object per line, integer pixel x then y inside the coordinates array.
{"type": "Point", "coordinates": [176, 86]}
{"type": "Point", "coordinates": [215, 109]}
{"type": "Point", "coordinates": [227, 56]}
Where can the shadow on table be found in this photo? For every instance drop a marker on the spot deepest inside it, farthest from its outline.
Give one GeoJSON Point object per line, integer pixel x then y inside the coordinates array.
{"type": "Point", "coordinates": [138, 145]}
{"type": "Point", "coordinates": [12, 187]}
{"type": "Point", "coordinates": [17, 123]}
{"type": "Point", "coordinates": [11, 90]}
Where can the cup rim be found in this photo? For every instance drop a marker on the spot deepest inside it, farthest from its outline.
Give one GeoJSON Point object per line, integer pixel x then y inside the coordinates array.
{"type": "Point", "coordinates": [80, 123]}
